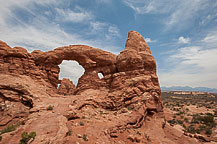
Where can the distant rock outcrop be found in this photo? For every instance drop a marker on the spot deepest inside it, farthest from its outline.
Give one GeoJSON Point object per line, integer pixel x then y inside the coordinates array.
{"type": "Point", "coordinates": [122, 107]}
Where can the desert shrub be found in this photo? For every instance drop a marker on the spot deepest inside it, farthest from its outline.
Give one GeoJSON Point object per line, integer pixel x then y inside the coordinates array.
{"type": "Point", "coordinates": [197, 131]}
{"type": "Point", "coordinates": [208, 119]}
{"type": "Point", "coordinates": [11, 128]}
{"type": "Point", "coordinates": [181, 112]}
{"type": "Point", "coordinates": [49, 107]}
{"type": "Point", "coordinates": [69, 133]}
{"type": "Point", "coordinates": [26, 137]}
{"type": "Point", "coordinates": [177, 113]}
{"type": "Point", "coordinates": [138, 132]}
{"type": "Point", "coordinates": [191, 129]}
{"type": "Point", "coordinates": [174, 116]}
{"type": "Point", "coordinates": [208, 131]}
{"type": "Point", "coordinates": [81, 123]}
{"type": "Point", "coordinates": [196, 119]}
{"type": "Point", "coordinates": [173, 121]}
{"type": "Point", "coordinates": [85, 137]}
{"type": "Point", "coordinates": [186, 120]}
{"type": "Point", "coordinates": [202, 127]}
{"type": "Point", "coordinates": [0, 138]}
{"type": "Point", "coordinates": [130, 108]}
{"type": "Point", "coordinates": [8, 129]}
{"type": "Point", "coordinates": [180, 122]}
{"type": "Point", "coordinates": [147, 138]}
{"type": "Point", "coordinates": [209, 114]}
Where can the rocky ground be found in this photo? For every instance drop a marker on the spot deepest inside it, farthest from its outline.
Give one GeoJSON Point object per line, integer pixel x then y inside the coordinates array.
{"type": "Point", "coordinates": [122, 107]}
{"type": "Point", "coordinates": [193, 113]}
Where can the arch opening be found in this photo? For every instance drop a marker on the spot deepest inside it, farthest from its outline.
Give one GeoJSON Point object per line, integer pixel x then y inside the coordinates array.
{"type": "Point", "coordinates": [72, 70]}
{"type": "Point", "coordinates": [100, 75]}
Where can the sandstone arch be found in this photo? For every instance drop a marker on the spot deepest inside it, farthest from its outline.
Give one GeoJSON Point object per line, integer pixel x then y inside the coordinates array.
{"type": "Point", "coordinates": [128, 75]}
{"type": "Point", "coordinates": [91, 59]}
{"type": "Point", "coordinates": [129, 94]}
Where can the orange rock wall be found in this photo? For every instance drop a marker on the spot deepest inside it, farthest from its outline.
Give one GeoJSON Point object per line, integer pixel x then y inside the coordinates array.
{"type": "Point", "coordinates": [129, 78]}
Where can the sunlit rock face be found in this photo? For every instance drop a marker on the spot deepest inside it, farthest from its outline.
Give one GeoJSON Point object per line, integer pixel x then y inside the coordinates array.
{"type": "Point", "coordinates": [122, 105]}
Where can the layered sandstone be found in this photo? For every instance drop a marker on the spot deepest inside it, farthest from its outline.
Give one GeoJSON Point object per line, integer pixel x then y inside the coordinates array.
{"type": "Point", "coordinates": [122, 107]}
{"type": "Point", "coordinates": [66, 87]}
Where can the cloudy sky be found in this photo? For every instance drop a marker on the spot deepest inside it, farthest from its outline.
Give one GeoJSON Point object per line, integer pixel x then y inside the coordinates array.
{"type": "Point", "coordinates": [182, 34]}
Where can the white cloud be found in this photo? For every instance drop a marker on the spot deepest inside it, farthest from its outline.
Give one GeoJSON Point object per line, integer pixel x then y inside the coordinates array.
{"type": "Point", "coordinates": [97, 26]}
{"type": "Point", "coordinates": [149, 40]}
{"type": "Point", "coordinates": [48, 2]}
{"type": "Point", "coordinates": [110, 32]}
{"type": "Point", "coordinates": [183, 40]}
{"type": "Point", "coordinates": [193, 66]}
{"type": "Point", "coordinates": [177, 14]}
{"type": "Point", "coordinates": [150, 6]}
{"type": "Point", "coordinates": [44, 34]}
{"type": "Point", "coordinates": [211, 38]}
{"type": "Point", "coordinates": [209, 18]}
{"type": "Point", "coordinates": [104, 1]}
{"type": "Point", "coordinates": [68, 15]}
{"type": "Point", "coordinates": [113, 31]}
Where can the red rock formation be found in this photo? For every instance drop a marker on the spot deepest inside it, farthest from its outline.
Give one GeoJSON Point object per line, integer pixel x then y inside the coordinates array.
{"type": "Point", "coordinates": [122, 107]}
{"type": "Point", "coordinates": [66, 87]}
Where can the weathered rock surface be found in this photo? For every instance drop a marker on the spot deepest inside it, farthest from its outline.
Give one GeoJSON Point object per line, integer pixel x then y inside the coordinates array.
{"type": "Point", "coordinates": [66, 87]}
{"type": "Point", "coordinates": [122, 107]}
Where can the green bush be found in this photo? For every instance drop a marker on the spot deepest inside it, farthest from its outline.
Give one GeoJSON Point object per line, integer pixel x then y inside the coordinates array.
{"type": "Point", "coordinates": [180, 122]}
{"type": "Point", "coordinates": [26, 137]}
{"type": "Point", "coordinates": [207, 119]}
{"type": "Point", "coordinates": [49, 107]}
{"type": "Point", "coordinates": [85, 137]}
{"type": "Point", "coordinates": [81, 123]}
{"type": "Point", "coordinates": [69, 133]}
{"type": "Point", "coordinates": [11, 128]}
{"type": "Point", "coordinates": [196, 119]}
{"type": "Point", "coordinates": [202, 127]}
{"type": "Point", "coordinates": [191, 129]}
{"type": "Point", "coordinates": [139, 133]}
{"type": "Point", "coordinates": [8, 129]}
{"type": "Point", "coordinates": [197, 131]}
{"type": "Point", "coordinates": [173, 121]}
{"type": "Point", "coordinates": [208, 131]}
{"type": "Point", "coordinates": [186, 120]}
{"type": "Point", "coordinates": [130, 108]}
